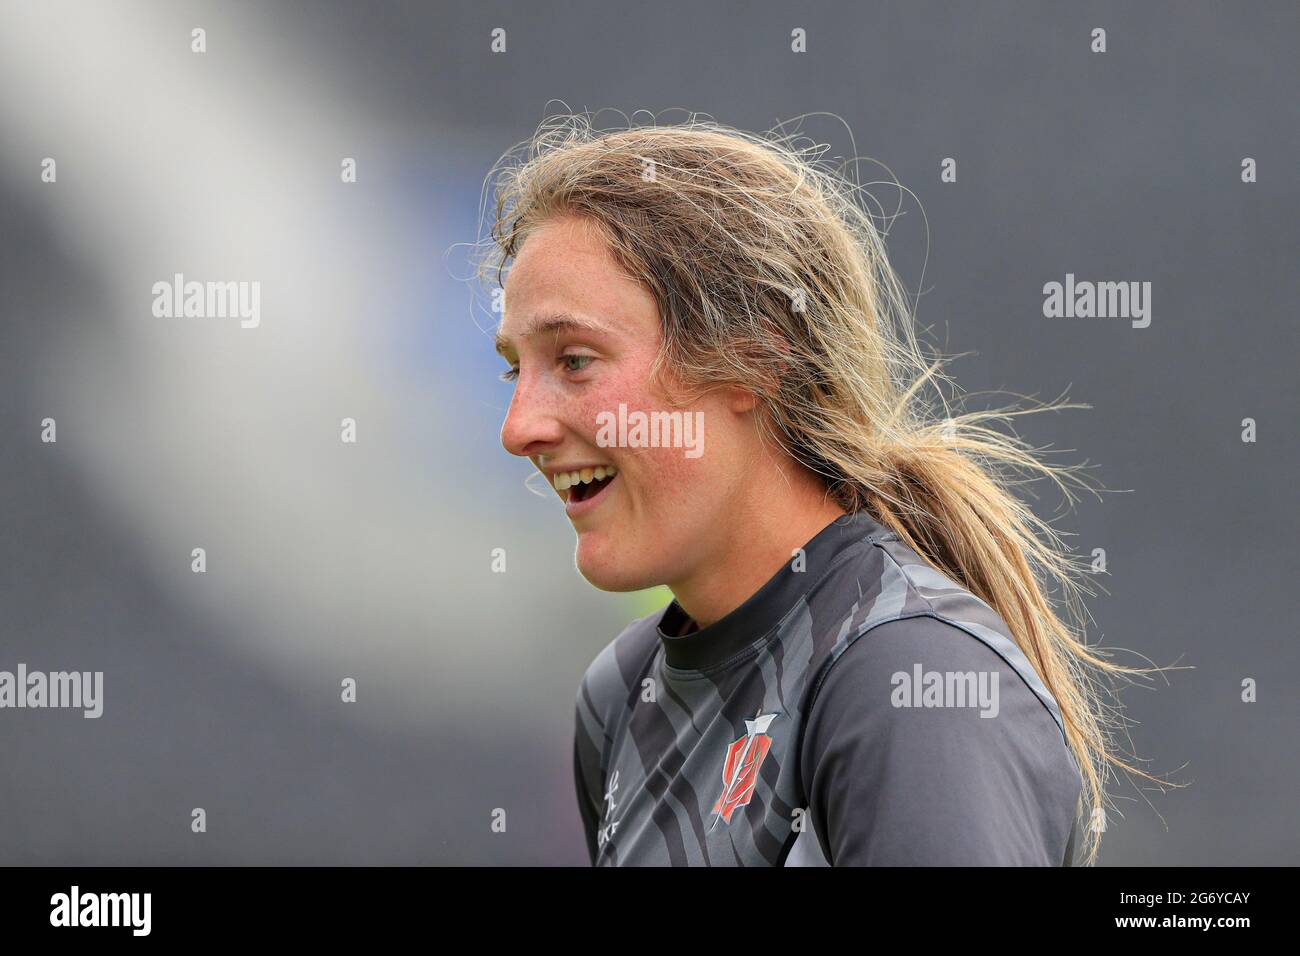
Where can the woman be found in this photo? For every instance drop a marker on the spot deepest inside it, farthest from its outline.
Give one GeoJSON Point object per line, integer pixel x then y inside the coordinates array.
{"type": "Point", "coordinates": [714, 367]}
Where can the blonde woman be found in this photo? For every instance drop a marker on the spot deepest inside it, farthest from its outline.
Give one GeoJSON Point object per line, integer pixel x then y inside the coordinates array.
{"type": "Point", "coordinates": [714, 367]}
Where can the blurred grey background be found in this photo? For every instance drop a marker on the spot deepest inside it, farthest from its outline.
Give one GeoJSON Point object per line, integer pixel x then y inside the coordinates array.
{"type": "Point", "coordinates": [371, 561]}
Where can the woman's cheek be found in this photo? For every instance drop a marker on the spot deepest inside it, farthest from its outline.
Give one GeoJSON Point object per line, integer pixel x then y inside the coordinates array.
{"type": "Point", "coordinates": [590, 412]}
{"type": "Point", "coordinates": [670, 480]}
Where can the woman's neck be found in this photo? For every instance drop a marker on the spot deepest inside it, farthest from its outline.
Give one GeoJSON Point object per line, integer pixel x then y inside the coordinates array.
{"type": "Point", "coordinates": [763, 538]}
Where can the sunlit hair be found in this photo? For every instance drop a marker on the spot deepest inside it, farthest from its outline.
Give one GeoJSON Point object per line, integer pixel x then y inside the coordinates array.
{"type": "Point", "coordinates": [769, 275]}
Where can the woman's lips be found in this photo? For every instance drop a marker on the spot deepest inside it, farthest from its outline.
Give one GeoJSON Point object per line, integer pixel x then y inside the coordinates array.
{"type": "Point", "coordinates": [576, 509]}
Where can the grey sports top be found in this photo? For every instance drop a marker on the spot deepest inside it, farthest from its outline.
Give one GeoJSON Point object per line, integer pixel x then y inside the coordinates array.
{"type": "Point", "coordinates": [859, 709]}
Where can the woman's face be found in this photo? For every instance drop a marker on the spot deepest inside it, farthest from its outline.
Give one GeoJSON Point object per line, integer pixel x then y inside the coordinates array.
{"type": "Point", "coordinates": [581, 336]}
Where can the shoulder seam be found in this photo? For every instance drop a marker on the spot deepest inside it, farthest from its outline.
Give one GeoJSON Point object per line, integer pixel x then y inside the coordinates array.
{"type": "Point", "coordinates": [869, 626]}
{"type": "Point", "coordinates": [1056, 718]}
{"type": "Point", "coordinates": [826, 670]}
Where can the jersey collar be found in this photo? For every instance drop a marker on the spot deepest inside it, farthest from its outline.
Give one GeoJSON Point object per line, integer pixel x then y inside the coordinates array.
{"type": "Point", "coordinates": [765, 609]}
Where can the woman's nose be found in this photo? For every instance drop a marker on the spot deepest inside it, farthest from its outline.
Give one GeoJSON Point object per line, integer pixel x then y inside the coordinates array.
{"type": "Point", "coordinates": [531, 424]}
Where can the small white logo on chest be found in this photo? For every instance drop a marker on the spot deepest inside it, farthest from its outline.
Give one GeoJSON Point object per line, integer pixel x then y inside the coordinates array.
{"type": "Point", "coordinates": [609, 828]}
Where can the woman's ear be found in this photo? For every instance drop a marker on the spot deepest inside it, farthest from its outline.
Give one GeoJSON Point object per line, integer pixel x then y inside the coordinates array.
{"type": "Point", "coordinates": [740, 400]}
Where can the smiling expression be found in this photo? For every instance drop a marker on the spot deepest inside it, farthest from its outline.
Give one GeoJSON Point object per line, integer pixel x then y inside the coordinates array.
{"type": "Point", "coordinates": [580, 336]}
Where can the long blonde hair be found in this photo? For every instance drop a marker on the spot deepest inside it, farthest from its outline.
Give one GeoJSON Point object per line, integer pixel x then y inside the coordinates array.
{"type": "Point", "coordinates": [768, 274]}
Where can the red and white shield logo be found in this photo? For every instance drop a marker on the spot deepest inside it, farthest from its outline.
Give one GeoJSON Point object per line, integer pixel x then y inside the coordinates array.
{"type": "Point", "coordinates": [740, 769]}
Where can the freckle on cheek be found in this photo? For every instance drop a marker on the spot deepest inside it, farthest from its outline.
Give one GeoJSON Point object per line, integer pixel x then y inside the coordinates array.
{"type": "Point", "coordinates": [587, 412]}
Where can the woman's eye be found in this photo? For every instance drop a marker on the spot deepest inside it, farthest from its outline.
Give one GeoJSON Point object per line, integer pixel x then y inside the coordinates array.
{"type": "Point", "coordinates": [568, 361]}
{"type": "Point", "coordinates": [510, 374]}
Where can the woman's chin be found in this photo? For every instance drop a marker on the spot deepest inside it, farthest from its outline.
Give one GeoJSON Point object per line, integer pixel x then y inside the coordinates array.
{"type": "Point", "coordinates": [609, 572]}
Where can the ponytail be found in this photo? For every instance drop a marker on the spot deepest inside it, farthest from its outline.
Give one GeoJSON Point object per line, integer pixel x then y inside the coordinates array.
{"type": "Point", "coordinates": [769, 275]}
{"type": "Point", "coordinates": [943, 490]}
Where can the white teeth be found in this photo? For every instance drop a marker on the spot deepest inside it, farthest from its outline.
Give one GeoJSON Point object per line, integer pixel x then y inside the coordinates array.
{"type": "Point", "coordinates": [584, 476]}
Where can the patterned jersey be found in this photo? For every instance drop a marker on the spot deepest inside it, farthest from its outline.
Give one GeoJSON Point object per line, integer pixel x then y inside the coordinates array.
{"type": "Point", "coordinates": [860, 709]}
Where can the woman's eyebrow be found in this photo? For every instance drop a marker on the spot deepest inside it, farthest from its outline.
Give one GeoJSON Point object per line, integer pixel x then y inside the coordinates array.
{"type": "Point", "coordinates": [549, 324]}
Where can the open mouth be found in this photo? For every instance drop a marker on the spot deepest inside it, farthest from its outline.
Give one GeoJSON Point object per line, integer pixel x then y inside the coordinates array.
{"type": "Point", "coordinates": [592, 489]}
{"type": "Point", "coordinates": [584, 484]}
